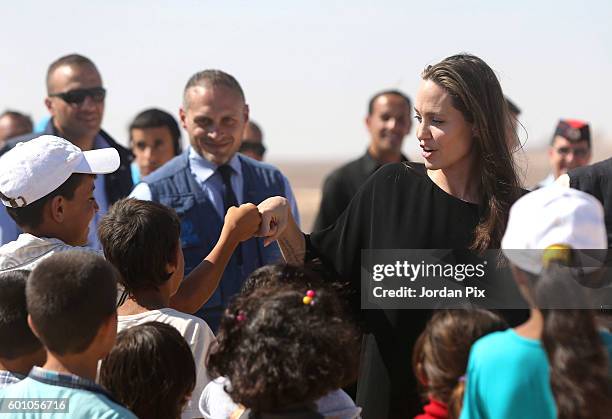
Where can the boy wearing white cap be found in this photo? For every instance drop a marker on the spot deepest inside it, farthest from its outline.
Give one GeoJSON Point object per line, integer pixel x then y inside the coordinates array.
{"type": "Point", "coordinates": [555, 365]}
{"type": "Point", "coordinates": [47, 184]}
{"type": "Point", "coordinates": [47, 187]}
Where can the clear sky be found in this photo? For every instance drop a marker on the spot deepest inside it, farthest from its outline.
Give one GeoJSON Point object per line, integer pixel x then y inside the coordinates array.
{"type": "Point", "coordinates": [308, 68]}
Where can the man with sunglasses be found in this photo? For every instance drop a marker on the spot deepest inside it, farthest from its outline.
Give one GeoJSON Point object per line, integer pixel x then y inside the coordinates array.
{"type": "Point", "coordinates": [570, 148]}
{"type": "Point", "coordinates": [75, 101]}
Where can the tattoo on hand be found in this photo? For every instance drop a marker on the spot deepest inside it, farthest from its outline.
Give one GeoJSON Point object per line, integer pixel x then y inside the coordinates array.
{"type": "Point", "coordinates": [290, 254]}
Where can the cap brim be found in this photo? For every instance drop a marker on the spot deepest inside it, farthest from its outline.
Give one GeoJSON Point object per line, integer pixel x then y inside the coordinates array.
{"type": "Point", "coordinates": [98, 162]}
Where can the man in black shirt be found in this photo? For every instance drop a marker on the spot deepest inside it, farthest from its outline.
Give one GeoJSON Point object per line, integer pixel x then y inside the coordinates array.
{"type": "Point", "coordinates": [388, 122]}
{"type": "Point", "coordinates": [596, 180]}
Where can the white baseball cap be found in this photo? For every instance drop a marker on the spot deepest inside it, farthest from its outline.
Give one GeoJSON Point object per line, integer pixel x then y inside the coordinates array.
{"type": "Point", "coordinates": [35, 168]}
{"type": "Point", "coordinates": [554, 215]}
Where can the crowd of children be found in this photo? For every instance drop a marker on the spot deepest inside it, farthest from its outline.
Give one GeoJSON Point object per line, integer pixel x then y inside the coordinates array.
{"type": "Point", "coordinates": [286, 346]}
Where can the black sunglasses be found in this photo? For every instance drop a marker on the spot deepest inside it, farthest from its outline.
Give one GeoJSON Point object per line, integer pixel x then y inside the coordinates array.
{"type": "Point", "coordinates": [77, 96]}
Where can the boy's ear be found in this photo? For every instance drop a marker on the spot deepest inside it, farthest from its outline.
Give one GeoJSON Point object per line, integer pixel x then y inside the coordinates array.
{"type": "Point", "coordinates": [57, 209]}
{"type": "Point", "coordinates": [107, 334]}
{"type": "Point", "coordinates": [173, 261]}
{"type": "Point", "coordinates": [170, 268]}
{"type": "Point", "coordinates": [32, 327]}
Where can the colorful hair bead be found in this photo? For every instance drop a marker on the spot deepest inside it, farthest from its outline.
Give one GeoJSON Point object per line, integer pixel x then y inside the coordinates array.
{"type": "Point", "coordinates": [557, 252]}
{"type": "Point", "coordinates": [309, 298]}
{"type": "Point", "coordinates": [241, 316]}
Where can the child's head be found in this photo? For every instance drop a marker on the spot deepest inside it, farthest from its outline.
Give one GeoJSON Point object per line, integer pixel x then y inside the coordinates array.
{"type": "Point", "coordinates": [47, 186]}
{"type": "Point", "coordinates": [16, 337]}
{"type": "Point", "coordinates": [141, 239]}
{"type": "Point", "coordinates": [279, 347]}
{"type": "Point", "coordinates": [71, 300]}
{"type": "Point", "coordinates": [555, 240]}
{"type": "Point", "coordinates": [274, 275]}
{"type": "Point", "coordinates": [441, 352]}
{"type": "Point", "coordinates": [150, 370]}
{"type": "Point", "coordinates": [549, 229]}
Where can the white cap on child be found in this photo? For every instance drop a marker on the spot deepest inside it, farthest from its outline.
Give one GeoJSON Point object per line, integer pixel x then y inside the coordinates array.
{"type": "Point", "coordinates": [550, 216]}
{"type": "Point", "coordinates": [35, 168]}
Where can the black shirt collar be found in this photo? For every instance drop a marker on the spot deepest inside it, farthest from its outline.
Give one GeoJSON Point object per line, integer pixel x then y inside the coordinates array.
{"type": "Point", "coordinates": [370, 165]}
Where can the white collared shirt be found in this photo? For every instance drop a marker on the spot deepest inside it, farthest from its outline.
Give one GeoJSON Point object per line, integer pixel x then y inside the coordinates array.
{"type": "Point", "coordinates": [547, 181]}
{"type": "Point", "coordinates": [28, 251]}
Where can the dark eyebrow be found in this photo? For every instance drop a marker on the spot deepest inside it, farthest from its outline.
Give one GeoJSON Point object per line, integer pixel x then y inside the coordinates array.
{"type": "Point", "coordinates": [428, 113]}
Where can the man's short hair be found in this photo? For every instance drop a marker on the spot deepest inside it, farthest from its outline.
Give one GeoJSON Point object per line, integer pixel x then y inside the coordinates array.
{"type": "Point", "coordinates": [156, 118]}
{"type": "Point", "coordinates": [70, 295]}
{"type": "Point", "coordinates": [15, 334]}
{"type": "Point", "coordinates": [75, 60]}
{"type": "Point", "coordinates": [32, 215]}
{"type": "Point", "coordinates": [213, 78]}
{"type": "Point", "coordinates": [140, 238]}
{"type": "Point", "coordinates": [25, 119]}
{"type": "Point", "coordinates": [387, 92]}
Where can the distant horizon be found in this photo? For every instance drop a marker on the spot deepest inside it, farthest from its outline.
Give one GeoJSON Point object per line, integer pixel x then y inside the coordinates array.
{"type": "Point", "coordinates": [309, 69]}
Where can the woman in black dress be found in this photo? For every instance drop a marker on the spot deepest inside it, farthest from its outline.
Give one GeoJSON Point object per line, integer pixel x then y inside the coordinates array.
{"type": "Point", "coordinates": [459, 199]}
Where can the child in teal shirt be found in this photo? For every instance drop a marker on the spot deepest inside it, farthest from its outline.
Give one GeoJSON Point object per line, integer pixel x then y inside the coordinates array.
{"type": "Point", "coordinates": [555, 365]}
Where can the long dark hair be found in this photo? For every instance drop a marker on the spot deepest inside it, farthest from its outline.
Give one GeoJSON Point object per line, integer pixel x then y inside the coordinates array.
{"type": "Point", "coordinates": [477, 94]}
{"type": "Point", "coordinates": [578, 359]}
{"type": "Point", "coordinates": [440, 355]}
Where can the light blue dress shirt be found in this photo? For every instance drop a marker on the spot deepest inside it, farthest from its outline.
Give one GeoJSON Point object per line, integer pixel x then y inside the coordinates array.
{"type": "Point", "coordinates": [211, 182]}
{"type": "Point", "coordinates": [8, 229]}
{"type": "Point", "coordinates": [100, 195]}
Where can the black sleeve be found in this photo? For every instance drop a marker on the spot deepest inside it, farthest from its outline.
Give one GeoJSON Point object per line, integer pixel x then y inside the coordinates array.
{"type": "Point", "coordinates": [339, 246]}
{"type": "Point", "coordinates": [336, 250]}
{"type": "Point", "coordinates": [588, 179]}
{"type": "Point", "coordinates": [595, 180]}
{"type": "Point", "coordinates": [333, 202]}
